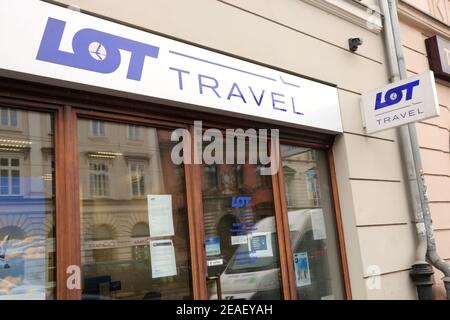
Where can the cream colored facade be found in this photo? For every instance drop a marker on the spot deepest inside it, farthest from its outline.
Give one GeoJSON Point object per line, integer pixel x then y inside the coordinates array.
{"type": "Point", "coordinates": [421, 19]}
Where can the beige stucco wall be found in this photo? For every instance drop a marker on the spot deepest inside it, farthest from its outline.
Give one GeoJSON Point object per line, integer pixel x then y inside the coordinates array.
{"type": "Point", "coordinates": [434, 133]}
{"type": "Point", "coordinates": [301, 38]}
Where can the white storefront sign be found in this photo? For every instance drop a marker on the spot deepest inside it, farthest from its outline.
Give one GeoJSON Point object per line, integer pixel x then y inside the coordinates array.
{"type": "Point", "coordinates": [399, 103]}
{"type": "Point", "coordinates": [51, 44]}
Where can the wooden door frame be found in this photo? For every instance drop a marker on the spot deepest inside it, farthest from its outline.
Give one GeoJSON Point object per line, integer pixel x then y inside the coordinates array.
{"type": "Point", "coordinates": [285, 283]}
{"type": "Point", "coordinates": [339, 225]}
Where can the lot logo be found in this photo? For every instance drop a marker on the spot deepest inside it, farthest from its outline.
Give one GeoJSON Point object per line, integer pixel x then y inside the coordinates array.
{"type": "Point", "coordinates": [97, 51]}
{"type": "Point", "coordinates": [240, 202]}
{"type": "Point", "coordinates": [395, 95]}
{"type": "Point", "coordinates": [93, 50]}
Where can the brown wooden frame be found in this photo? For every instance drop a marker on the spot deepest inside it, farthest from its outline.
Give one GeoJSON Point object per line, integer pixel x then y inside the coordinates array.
{"type": "Point", "coordinates": [69, 105]}
{"type": "Point", "coordinates": [339, 225]}
{"type": "Point", "coordinates": [67, 202]}
{"type": "Point", "coordinates": [284, 225]}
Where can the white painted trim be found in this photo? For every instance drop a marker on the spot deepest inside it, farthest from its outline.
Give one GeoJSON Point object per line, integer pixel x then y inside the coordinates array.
{"type": "Point", "coordinates": [356, 13]}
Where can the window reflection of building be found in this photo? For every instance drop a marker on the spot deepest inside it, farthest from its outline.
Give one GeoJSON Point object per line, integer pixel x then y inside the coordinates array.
{"type": "Point", "coordinates": [99, 178]}
{"type": "Point", "coordinates": [134, 132]}
{"type": "Point", "coordinates": [140, 237]}
{"type": "Point", "coordinates": [14, 233]}
{"type": "Point", "coordinates": [102, 234]}
{"type": "Point", "coordinates": [8, 117]}
{"type": "Point", "coordinates": [98, 128]}
{"type": "Point", "coordinates": [9, 176]}
{"type": "Point", "coordinates": [313, 186]}
{"type": "Point", "coordinates": [137, 178]}
{"type": "Point", "coordinates": [26, 205]}
{"type": "Point", "coordinates": [300, 178]}
{"type": "Point", "coordinates": [131, 162]}
{"type": "Point", "coordinates": [288, 174]}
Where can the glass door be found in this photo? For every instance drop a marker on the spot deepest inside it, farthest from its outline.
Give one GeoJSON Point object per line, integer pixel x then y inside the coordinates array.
{"type": "Point", "coordinates": [134, 224]}
{"type": "Point", "coordinates": [240, 232]}
{"type": "Point", "coordinates": [241, 235]}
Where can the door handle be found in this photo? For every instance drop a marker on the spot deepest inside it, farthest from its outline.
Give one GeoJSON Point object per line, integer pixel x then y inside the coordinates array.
{"type": "Point", "coordinates": [218, 285]}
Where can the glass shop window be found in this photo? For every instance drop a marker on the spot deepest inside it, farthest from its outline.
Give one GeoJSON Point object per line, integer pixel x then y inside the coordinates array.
{"type": "Point", "coordinates": [240, 234]}
{"type": "Point", "coordinates": [312, 224]}
{"type": "Point", "coordinates": [27, 240]}
{"type": "Point", "coordinates": [133, 246]}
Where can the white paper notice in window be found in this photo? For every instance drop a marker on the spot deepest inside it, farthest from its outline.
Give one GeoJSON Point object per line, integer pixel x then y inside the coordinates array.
{"type": "Point", "coordinates": [160, 217]}
{"type": "Point", "coordinates": [318, 224]}
{"type": "Point", "coordinates": [163, 260]}
{"type": "Point", "coordinates": [260, 244]}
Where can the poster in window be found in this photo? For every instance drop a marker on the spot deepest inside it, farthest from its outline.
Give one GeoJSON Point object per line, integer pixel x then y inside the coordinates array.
{"type": "Point", "coordinates": [162, 255]}
{"type": "Point", "coordinates": [302, 272]}
{"type": "Point", "coordinates": [212, 246]}
{"type": "Point", "coordinates": [160, 215]}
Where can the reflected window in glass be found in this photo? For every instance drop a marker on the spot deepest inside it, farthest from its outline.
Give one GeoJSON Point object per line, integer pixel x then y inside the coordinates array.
{"type": "Point", "coordinates": [27, 240]}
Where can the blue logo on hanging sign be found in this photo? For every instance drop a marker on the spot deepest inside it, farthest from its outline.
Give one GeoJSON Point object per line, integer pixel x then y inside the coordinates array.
{"type": "Point", "coordinates": [93, 50]}
{"type": "Point", "coordinates": [395, 95]}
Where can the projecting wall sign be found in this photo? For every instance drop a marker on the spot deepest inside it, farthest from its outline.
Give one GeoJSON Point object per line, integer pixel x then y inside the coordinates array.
{"type": "Point", "coordinates": [438, 52]}
{"type": "Point", "coordinates": [399, 103]}
{"type": "Point", "coordinates": [55, 45]}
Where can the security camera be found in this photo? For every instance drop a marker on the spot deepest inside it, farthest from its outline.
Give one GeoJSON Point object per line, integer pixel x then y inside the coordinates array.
{"type": "Point", "coordinates": [354, 43]}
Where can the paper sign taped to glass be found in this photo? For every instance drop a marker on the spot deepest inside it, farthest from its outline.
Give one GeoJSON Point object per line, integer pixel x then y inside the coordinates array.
{"type": "Point", "coordinates": [212, 246]}
{"type": "Point", "coordinates": [214, 262]}
{"type": "Point", "coordinates": [160, 217]}
{"type": "Point", "coordinates": [260, 244]}
{"type": "Point", "coordinates": [302, 273]}
{"type": "Point", "coordinates": [318, 224]}
{"type": "Point", "coordinates": [162, 256]}
{"type": "Point", "coordinates": [236, 240]}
